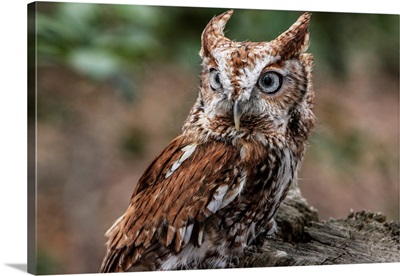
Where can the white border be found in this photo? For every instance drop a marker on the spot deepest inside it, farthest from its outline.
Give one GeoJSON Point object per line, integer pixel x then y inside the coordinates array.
{"type": "Point", "coordinates": [13, 143]}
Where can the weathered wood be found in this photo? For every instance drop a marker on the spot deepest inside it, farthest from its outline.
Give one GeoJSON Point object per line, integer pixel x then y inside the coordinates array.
{"type": "Point", "coordinates": [302, 239]}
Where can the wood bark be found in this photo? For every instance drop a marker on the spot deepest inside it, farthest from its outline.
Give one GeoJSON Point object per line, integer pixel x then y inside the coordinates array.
{"type": "Point", "coordinates": [302, 239]}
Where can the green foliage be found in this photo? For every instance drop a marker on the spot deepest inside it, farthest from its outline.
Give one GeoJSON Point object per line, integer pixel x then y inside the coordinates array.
{"type": "Point", "coordinates": [102, 40]}
{"type": "Point", "coordinates": [345, 151]}
{"type": "Point", "coordinates": [336, 37]}
{"type": "Point", "coordinates": [133, 143]}
{"type": "Point", "coordinates": [47, 263]}
{"type": "Point", "coordinates": [115, 43]}
{"type": "Point", "coordinates": [96, 40]}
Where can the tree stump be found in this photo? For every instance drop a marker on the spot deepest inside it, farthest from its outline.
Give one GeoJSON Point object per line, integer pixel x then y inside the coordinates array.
{"type": "Point", "coordinates": [302, 239]}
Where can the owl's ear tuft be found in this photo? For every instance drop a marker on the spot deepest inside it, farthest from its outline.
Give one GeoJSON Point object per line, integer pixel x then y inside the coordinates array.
{"type": "Point", "coordinates": [213, 33]}
{"type": "Point", "coordinates": [295, 40]}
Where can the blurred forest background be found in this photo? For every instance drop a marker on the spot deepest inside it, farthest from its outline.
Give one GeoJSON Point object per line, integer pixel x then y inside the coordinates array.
{"type": "Point", "coordinates": [115, 83]}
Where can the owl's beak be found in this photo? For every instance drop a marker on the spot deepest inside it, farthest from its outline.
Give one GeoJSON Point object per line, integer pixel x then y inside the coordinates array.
{"type": "Point", "coordinates": [237, 113]}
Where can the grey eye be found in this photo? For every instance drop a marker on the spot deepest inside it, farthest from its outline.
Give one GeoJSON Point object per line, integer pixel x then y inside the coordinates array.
{"type": "Point", "coordinates": [270, 82]}
{"type": "Point", "coordinates": [215, 81]}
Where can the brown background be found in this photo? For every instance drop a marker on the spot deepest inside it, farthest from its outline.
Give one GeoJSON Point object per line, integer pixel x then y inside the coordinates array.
{"type": "Point", "coordinates": [97, 132]}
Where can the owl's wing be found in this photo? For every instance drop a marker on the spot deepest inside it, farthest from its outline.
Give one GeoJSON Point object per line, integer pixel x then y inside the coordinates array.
{"type": "Point", "coordinates": [183, 186]}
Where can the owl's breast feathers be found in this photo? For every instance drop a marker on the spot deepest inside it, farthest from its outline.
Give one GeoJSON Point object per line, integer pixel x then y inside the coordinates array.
{"type": "Point", "coordinates": [186, 184]}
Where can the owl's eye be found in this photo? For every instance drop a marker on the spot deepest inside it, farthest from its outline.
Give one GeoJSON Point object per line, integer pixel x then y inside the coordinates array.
{"type": "Point", "coordinates": [270, 82]}
{"type": "Point", "coordinates": [215, 81]}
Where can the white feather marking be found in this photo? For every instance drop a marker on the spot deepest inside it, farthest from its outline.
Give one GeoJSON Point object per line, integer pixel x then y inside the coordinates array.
{"type": "Point", "coordinates": [180, 234]}
{"type": "Point", "coordinates": [280, 254]}
{"type": "Point", "coordinates": [232, 194]}
{"type": "Point", "coordinates": [168, 174]}
{"type": "Point", "coordinates": [187, 152]}
{"type": "Point", "coordinates": [284, 181]}
{"type": "Point", "coordinates": [182, 231]}
{"type": "Point", "coordinates": [175, 166]}
{"type": "Point", "coordinates": [238, 239]}
{"type": "Point", "coordinates": [213, 206]}
{"type": "Point", "coordinates": [200, 237]}
{"type": "Point", "coordinates": [188, 234]}
{"type": "Point", "coordinates": [216, 202]}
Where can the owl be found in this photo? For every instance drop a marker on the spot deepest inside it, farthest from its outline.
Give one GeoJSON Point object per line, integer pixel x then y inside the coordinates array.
{"type": "Point", "coordinates": [212, 193]}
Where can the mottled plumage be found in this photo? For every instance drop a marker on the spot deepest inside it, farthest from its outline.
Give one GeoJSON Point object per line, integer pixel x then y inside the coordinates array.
{"type": "Point", "coordinates": [214, 190]}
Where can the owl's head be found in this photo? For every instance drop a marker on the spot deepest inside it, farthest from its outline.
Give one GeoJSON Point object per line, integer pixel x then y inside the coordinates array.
{"type": "Point", "coordinates": [256, 86]}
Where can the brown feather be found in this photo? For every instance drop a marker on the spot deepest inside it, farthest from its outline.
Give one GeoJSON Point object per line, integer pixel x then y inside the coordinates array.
{"type": "Point", "coordinates": [215, 189]}
{"type": "Point", "coordinates": [153, 204]}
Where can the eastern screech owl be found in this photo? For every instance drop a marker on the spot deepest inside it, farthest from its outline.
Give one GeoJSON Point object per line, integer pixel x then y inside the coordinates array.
{"type": "Point", "coordinates": [214, 190]}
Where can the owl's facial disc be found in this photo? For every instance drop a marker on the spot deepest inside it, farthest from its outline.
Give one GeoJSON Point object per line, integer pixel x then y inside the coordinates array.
{"type": "Point", "coordinates": [244, 78]}
{"type": "Point", "coordinates": [237, 88]}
